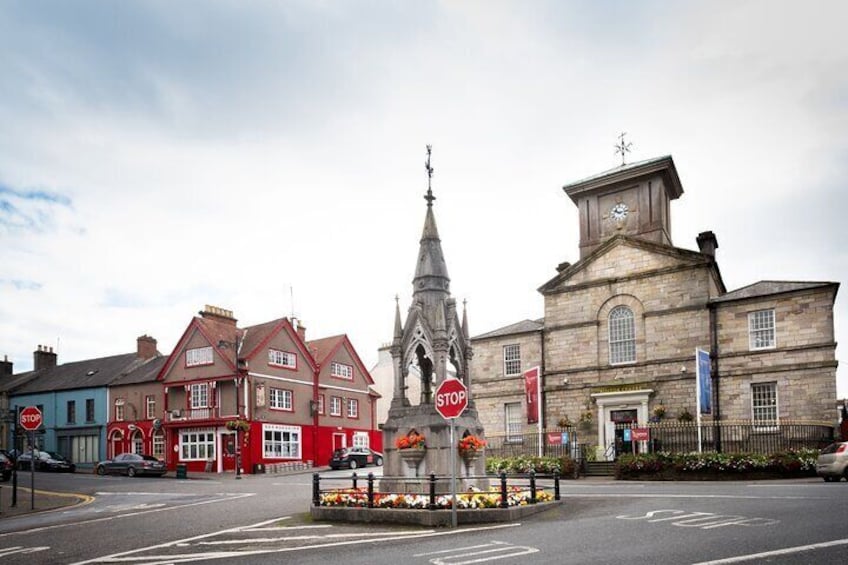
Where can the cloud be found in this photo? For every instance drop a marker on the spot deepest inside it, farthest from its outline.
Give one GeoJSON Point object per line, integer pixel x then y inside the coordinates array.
{"type": "Point", "coordinates": [21, 284]}
{"type": "Point", "coordinates": [29, 210]}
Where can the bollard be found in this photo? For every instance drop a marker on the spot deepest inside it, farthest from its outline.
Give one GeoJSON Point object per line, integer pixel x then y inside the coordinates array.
{"type": "Point", "coordinates": [532, 486]}
{"type": "Point", "coordinates": [556, 485]}
{"type": "Point", "coordinates": [432, 504]}
{"type": "Point", "coordinates": [353, 477]}
{"type": "Point", "coordinates": [504, 503]}
{"type": "Point", "coordinates": [370, 490]}
{"type": "Point", "coordinates": [316, 489]}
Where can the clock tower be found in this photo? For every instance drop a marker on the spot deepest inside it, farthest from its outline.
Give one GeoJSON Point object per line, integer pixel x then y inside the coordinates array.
{"type": "Point", "coordinates": [629, 200]}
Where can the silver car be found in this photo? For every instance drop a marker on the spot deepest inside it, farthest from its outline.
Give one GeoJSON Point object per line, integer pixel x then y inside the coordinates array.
{"type": "Point", "coordinates": [832, 463]}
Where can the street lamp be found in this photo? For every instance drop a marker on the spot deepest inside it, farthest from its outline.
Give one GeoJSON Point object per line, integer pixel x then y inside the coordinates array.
{"type": "Point", "coordinates": [241, 365]}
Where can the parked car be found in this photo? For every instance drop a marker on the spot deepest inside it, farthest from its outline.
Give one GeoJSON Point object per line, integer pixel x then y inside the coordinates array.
{"type": "Point", "coordinates": [832, 463]}
{"type": "Point", "coordinates": [6, 467]}
{"type": "Point", "coordinates": [131, 464]}
{"type": "Point", "coordinates": [46, 461]}
{"type": "Point", "coordinates": [354, 457]}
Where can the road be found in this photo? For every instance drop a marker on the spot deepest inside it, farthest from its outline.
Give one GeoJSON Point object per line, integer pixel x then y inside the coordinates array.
{"type": "Point", "coordinates": [263, 519]}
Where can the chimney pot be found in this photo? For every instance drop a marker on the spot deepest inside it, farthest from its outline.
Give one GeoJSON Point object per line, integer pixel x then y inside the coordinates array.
{"type": "Point", "coordinates": [43, 358]}
{"type": "Point", "coordinates": [707, 243]}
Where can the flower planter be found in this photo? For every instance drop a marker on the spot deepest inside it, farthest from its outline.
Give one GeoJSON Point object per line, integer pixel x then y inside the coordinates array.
{"type": "Point", "coordinates": [412, 456]}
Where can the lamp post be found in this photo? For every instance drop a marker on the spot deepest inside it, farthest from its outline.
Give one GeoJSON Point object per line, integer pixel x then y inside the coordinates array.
{"type": "Point", "coordinates": [240, 366]}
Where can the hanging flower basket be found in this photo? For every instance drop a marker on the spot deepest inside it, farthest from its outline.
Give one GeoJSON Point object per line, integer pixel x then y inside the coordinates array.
{"type": "Point", "coordinates": [470, 447]}
{"type": "Point", "coordinates": [238, 425]}
{"type": "Point", "coordinates": [412, 440]}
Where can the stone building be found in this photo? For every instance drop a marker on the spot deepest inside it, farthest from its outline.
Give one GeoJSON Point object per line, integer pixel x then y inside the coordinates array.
{"type": "Point", "coordinates": [622, 324]}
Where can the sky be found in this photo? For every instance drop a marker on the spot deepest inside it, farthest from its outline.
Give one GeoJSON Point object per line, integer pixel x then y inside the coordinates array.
{"type": "Point", "coordinates": [268, 156]}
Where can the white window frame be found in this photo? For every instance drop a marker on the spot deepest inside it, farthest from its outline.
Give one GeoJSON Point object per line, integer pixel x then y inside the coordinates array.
{"type": "Point", "coordinates": [281, 442]}
{"type": "Point", "coordinates": [280, 358]}
{"type": "Point", "coordinates": [321, 404]}
{"type": "Point", "coordinates": [137, 441]}
{"type": "Point", "coordinates": [513, 422]}
{"type": "Point", "coordinates": [335, 406]}
{"type": "Point", "coordinates": [158, 441]}
{"type": "Point", "coordinates": [762, 332]}
{"type": "Point", "coordinates": [119, 409]}
{"type": "Point", "coordinates": [150, 406]}
{"type": "Point", "coordinates": [281, 399]}
{"type": "Point", "coordinates": [199, 396]}
{"type": "Point", "coordinates": [512, 359]}
{"type": "Point", "coordinates": [360, 439]}
{"type": "Point", "coordinates": [199, 356]}
{"type": "Point", "coordinates": [764, 406]}
{"type": "Point", "coordinates": [197, 444]}
{"type": "Point", "coordinates": [353, 408]}
{"type": "Point", "coordinates": [622, 336]}
{"type": "Point", "coordinates": [341, 371]}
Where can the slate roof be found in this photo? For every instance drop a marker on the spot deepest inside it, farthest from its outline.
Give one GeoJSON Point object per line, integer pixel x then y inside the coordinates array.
{"type": "Point", "coordinates": [321, 348]}
{"type": "Point", "coordinates": [524, 326]}
{"type": "Point", "coordinates": [768, 288]}
{"type": "Point", "coordinates": [90, 373]}
{"type": "Point", "coordinates": [145, 373]}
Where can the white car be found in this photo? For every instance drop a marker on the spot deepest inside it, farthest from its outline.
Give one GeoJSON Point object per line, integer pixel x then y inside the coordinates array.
{"type": "Point", "coordinates": [832, 463]}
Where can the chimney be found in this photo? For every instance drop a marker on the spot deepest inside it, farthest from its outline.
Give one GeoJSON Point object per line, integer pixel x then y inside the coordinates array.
{"type": "Point", "coordinates": [5, 367]}
{"type": "Point", "coordinates": [218, 314]}
{"type": "Point", "coordinates": [707, 243]}
{"type": "Point", "coordinates": [146, 347]}
{"type": "Point", "coordinates": [301, 330]}
{"type": "Point", "coordinates": [43, 358]}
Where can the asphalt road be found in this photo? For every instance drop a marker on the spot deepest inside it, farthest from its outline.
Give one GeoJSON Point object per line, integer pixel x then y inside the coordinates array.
{"type": "Point", "coordinates": [263, 519]}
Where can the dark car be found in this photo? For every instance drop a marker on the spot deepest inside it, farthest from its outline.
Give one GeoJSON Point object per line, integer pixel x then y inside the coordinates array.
{"type": "Point", "coordinates": [131, 464]}
{"type": "Point", "coordinates": [6, 467]}
{"type": "Point", "coordinates": [46, 461]}
{"type": "Point", "coordinates": [354, 457]}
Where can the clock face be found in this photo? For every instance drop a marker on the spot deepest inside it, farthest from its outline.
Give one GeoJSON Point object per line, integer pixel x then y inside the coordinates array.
{"type": "Point", "coordinates": [619, 211]}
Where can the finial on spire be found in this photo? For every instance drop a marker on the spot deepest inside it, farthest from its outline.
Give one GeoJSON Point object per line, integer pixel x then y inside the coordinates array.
{"type": "Point", "coordinates": [622, 147]}
{"type": "Point", "coordinates": [429, 197]}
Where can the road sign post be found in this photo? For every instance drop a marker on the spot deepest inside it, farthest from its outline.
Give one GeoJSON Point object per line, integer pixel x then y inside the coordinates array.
{"type": "Point", "coordinates": [31, 419]}
{"type": "Point", "coordinates": [451, 402]}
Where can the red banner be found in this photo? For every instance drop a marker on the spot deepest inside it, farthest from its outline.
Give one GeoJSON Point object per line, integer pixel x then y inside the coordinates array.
{"type": "Point", "coordinates": [531, 389]}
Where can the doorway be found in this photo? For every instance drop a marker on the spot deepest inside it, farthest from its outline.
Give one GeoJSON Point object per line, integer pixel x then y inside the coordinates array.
{"type": "Point", "coordinates": [339, 441]}
{"type": "Point", "coordinates": [623, 442]}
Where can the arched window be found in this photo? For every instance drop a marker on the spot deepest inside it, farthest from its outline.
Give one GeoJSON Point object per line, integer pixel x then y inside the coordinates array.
{"type": "Point", "coordinates": [622, 336]}
{"type": "Point", "coordinates": [138, 442]}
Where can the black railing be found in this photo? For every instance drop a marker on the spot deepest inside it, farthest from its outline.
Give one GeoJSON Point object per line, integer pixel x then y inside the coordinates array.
{"type": "Point", "coordinates": [433, 480]}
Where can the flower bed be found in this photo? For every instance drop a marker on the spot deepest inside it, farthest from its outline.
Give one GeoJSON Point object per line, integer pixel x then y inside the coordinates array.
{"type": "Point", "coordinates": [565, 466]}
{"type": "Point", "coordinates": [717, 466]}
{"type": "Point", "coordinates": [466, 500]}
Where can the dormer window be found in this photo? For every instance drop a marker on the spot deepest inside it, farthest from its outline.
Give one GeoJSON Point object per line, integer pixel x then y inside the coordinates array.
{"type": "Point", "coordinates": [280, 358]}
{"type": "Point", "coordinates": [341, 371]}
{"type": "Point", "coordinates": [199, 356]}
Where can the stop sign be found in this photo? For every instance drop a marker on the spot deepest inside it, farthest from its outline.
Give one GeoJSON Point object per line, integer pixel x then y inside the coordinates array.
{"type": "Point", "coordinates": [31, 418]}
{"type": "Point", "coordinates": [451, 398]}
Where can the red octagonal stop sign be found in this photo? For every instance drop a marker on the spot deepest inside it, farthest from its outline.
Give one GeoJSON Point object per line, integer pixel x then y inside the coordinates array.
{"type": "Point", "coordinates": [30, 418]}
{"type": "Point", "coordinates": [451, 398]}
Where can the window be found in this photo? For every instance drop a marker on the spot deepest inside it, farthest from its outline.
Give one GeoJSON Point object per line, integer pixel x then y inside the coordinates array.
{"type": "Point", "coordinates": [159, 444]}
{"type": "Point", "coordinates": [150, 407]}
{"type": "Point", "coordinates": [199, 396]}
{"type": "Point", "coordinates": [352, 408]}
{"type": "Point", "coordinates": [72, 412]}
{"type": "Point", "coordinates": [199, 356]}
{"type": "Point", "coordinates": [335, 406]}
{"type": "Point", "coordinates": [360, 439]}
{"type": "Point", "coordinates": [138, 442]}
{"type": "Point", "coordinates": [512, 359]}
{"type": "Point", "coordinates": [281, 441]}
{"type": "Point", "coordinates": [89, 409]}
{"type": "Point", "coordinates": [280, 399]}
{"type": "Point", "coordinates": [320, 403]}
{"type": "Point", "coordinates": [764, 403]}
{"type": "Point", "coordinates": [119, 410]}
{"type": "Point", "coordinates": [197, 445]}
{"type": "Point", "coordinates": [513, 421]}
{"type": "Point", "coordinates": [282, 359]}
{"type": "Point", "coordinates": [622, 336]}
{"type": "Point", "coordinates": [341, 371]}
{"type": "Point", "coordinates": [761, 329]}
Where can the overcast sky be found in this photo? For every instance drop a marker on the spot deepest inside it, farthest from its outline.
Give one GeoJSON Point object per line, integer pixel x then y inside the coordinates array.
{"type": "Point", "coordinates": [268, 157]}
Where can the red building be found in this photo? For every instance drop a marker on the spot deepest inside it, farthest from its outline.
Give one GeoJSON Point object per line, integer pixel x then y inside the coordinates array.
{"type": "Point", "coordinates": [262, 395]}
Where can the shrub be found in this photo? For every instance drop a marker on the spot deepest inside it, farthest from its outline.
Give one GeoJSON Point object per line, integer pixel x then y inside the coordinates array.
{"type": "Point", "coordinates": [679, 465]}
{"type": "Point", "coordinates": [524, 464]}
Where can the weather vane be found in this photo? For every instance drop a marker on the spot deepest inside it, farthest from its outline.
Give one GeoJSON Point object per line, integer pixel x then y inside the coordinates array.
{"type": "Point", "coordinates": [429, 198]}
{"type": "Point", "coordinates": [622, 147]}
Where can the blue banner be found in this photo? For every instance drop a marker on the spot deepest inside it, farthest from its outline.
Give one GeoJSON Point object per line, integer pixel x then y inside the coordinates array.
{"type": "Point", "coordinates": [704, 382]}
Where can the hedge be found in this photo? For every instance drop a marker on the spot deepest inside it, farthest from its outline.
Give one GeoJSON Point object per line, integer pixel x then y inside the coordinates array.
{"type": "Point", "coordinates": [687, 466]}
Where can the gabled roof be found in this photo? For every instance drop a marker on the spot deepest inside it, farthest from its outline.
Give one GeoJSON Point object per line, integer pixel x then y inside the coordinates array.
{"type": "Point", "coordinates": [90, 373]}
{"type": "Point", "coordinates": [215, 332]}
{"type": "Point", "coordinates": [524, 326]}
{"type": "Point", "coordinates": [145, 373]}
{"type": "Point", "coordinates": [325, 348]}
{"type": "Point", "coordinates": [768, 288]}
{"type": "Point", "coordinates": [650, 246]}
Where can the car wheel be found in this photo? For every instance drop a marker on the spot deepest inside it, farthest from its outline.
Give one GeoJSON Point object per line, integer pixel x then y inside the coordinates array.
{"type": "Point", "coordinates": [101, 470]}
{"type": "Point", "coordinates": [353, 464]}
{"type": "Point", "coordinates": [131, 471]}
{"type": "Point", "coordinates": [378, 461]}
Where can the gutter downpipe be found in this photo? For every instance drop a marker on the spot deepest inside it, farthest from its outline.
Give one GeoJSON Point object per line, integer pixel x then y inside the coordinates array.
{"type": "Point", "coordinates": [715, 375]}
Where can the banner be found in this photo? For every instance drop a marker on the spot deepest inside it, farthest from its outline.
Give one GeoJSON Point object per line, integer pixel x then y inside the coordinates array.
{"type": "Point", "coordinates": [532, 390]}
{"type": "Point", "coordinates": [704, 383]}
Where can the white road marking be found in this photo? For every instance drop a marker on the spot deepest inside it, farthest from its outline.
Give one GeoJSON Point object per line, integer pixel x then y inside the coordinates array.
{"type": "Point", "coordinates": [713, 496]}
{"type": "Point", "coordinates": [6, 551]}
{"type": "Point", "coordinates": [359, 535]}
{"type": "Point", "coordinates": [703, 520]}
{"type": "Point", "coordinates": [776, 552]}
{"type": "Point", "coordinates": [478, 553]}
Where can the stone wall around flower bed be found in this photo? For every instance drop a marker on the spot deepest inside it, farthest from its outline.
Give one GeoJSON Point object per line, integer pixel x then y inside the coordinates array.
{"type": "Point", "coordinates": [428, 518]}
